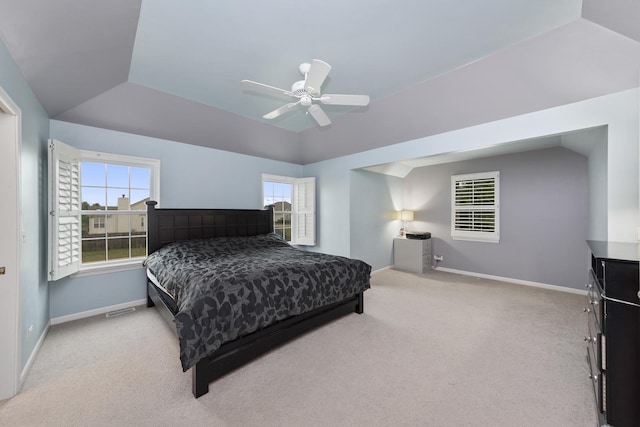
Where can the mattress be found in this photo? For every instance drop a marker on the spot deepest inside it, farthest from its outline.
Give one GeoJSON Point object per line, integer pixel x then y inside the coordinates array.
{"type": "Point", "coordinates": [164, 294]}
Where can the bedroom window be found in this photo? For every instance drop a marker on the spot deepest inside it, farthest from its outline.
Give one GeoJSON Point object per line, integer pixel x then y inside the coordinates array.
{"type": "Point", "coordinates": [293, 200]}
{"type": "Point", "coordinates": [475, 213]}
{"type": "Point", "coordinates": [98, 209]}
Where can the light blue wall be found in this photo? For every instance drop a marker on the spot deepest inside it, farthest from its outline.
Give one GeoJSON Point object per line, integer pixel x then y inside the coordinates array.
{"type": "Point", "coordinates": [598, 165]}
{"type": "Point", "coordinates": [197, 176]}
{"type": "Point", "coordinates": [375, 199]}
{"type": "Point", "coordinates": [543, 216]}
{"type": "Point", "coordinates": [201, 177]}
{"type": "Point", "coordinates": [595, 142]}
{"type": "Point", "coordinates": [333, 207]}
{"type": "Point", "coordinates": [190, 176]}
{"type": "Point", "coordinates": [34, 292]}
{"type": "Point", "coordinates": [618, 111]}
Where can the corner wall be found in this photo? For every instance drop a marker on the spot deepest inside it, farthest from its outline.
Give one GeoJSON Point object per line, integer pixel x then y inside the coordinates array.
{"type": "Point", "coordinates": [375, 199]}
{"type": "Point", "coordinates": [543, 216]}
{"type": "Point", "coordinates": [190, 176]}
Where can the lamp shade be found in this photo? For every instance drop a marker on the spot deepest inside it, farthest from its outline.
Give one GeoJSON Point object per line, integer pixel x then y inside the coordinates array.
{"type": "Point", "coordinates": [406, 215]}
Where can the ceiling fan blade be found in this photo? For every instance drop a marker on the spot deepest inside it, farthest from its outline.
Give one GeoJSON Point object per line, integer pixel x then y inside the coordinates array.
{"type": "Point", "coordinates": [318, 72]}
{"type": "Point", "coordinates": [319, 115]}
{"type": "Point", "coordinates": [335, 99]}
{"type": "Point", "coordinates": [261, 87]}
{"type": "Point", "coordinates": [280, 111]}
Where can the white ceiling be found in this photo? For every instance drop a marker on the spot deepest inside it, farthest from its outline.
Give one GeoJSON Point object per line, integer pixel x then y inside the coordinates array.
{"type": "Point", "coordinates": [172, 69]}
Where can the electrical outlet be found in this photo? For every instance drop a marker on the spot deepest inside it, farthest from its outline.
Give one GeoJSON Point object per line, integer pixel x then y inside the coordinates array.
{"type": "Point", "coordinates": [438, 258]}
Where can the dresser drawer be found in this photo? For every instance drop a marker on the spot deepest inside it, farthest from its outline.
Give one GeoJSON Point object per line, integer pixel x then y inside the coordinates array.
{"type": "Point", "coordinates": [620, 280]}
{"type": "Point", "coordinates": [613, 337]}
{"type": "Point", "coordinates": [597, 341]}
{"type": "Point", "coordinates": [598, 379]}
{"type": "Point", "coordinates": [594, 297]}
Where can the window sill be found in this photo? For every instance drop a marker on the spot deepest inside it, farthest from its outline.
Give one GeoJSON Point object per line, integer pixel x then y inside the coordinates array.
{"type": "Point", "coordinates": [109, 268]}
{"type": "Point", "coordinates": [477, 239]}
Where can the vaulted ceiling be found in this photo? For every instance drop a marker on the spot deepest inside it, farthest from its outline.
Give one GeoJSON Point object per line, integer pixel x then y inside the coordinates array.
{"type": "Point", "coordinates": [172, 70]}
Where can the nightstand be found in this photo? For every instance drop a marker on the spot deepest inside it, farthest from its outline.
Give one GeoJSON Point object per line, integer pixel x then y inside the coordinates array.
{"type": "Point", "coordinates": [412, 255]}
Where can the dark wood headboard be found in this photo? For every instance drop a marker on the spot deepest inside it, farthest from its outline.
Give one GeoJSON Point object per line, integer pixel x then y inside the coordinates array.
{"type": "Point", "coordinates": [169, 225]}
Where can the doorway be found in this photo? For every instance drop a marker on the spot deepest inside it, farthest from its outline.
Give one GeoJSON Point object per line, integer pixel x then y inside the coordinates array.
{"type": "Point", "coordinates": [10, 229]}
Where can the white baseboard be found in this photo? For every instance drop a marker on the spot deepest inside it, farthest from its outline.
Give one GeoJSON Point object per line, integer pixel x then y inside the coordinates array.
{"type": "Point", "coordinates": [380, 270]}
{"type": "Point", "coordinates": [32, 357]}
{"type": "Point", "coordinates": [97, 311]}
{"type": "Point", "coordinates": [515, 281]}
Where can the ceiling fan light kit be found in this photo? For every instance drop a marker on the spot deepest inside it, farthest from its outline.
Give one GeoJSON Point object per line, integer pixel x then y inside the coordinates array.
{"type": "Point", "coordinates": [307, 92]}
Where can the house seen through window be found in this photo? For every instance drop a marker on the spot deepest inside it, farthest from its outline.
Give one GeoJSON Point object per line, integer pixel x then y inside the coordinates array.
{"type": "Point", "coordinates": [97, 209]}
{"type": "Point", "coordinates": [113, 211]}
{"type": "Point", "coordinates": [278, 194]}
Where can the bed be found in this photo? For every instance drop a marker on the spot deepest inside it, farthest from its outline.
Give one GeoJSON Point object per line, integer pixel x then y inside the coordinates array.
{"type": "Point", "coordinates": [232, 290]}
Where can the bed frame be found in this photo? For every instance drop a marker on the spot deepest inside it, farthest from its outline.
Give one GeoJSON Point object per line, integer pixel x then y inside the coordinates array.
{"type": "Point", "coordinates": [168, 225]}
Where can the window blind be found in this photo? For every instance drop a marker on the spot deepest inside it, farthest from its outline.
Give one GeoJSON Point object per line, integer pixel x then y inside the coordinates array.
{"type": "Point", "coordinates": [64, 212]}
{"type": "Point", "coordinates": [475, 208]}
{"type": "Point", "coordinates": [304, 211]}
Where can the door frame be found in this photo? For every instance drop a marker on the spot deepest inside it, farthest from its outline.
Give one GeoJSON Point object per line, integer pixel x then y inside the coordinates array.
{"type": "Point", "coordinates": [11, 375]}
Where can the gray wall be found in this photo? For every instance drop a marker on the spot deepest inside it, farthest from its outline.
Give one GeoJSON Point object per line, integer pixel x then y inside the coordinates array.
{"type": "Point", "coordinates": [190, 176]}
{"type": "Point", "coordinates": [375, 198]}
{"type": "Point", "coordinates": [544, 203]}
{"type": "Point", "coordinates": [34, 292]}
{"type": "Point", "coordinates": [618, 112]}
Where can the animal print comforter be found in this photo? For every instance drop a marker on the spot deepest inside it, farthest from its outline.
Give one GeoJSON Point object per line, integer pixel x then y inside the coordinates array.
{"type": "Point", "coordinates": [228, 287]}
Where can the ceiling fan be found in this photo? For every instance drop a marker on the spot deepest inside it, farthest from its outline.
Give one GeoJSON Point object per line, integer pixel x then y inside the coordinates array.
{"type": "Point", "coordinates": [307, 92]}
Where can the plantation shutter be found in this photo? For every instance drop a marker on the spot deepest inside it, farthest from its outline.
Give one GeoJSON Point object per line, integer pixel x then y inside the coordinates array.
{"type": "Point", "coordinates": [304, 212]}
{"type": "Point", "coordinates": [64, 210]}
{"type": "Point", "coordinates": [474, 210]}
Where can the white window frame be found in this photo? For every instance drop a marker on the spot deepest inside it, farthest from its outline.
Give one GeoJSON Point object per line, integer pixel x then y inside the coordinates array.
{"type": "Point", "coordinates": [65, 206]}
{"type": "Point", "coordinates": [477, 234]}
{"type": "Point", "coordinates": [303, 207]}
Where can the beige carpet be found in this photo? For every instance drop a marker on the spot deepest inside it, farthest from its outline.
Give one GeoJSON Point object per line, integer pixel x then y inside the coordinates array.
{"type": "Point", "coordinates": [431, 350]}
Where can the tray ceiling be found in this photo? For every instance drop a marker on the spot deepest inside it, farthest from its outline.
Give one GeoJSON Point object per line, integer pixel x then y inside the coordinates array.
{"type": "Point", "coordinates": [172, 69]}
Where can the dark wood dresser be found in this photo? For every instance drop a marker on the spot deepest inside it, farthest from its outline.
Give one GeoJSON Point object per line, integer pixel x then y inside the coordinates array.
{"type": "Point", "coordinates": [613, 349]}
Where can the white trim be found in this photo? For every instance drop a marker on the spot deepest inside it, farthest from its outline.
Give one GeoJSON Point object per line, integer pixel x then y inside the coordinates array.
{"type": "Point", "coordinates": [34, 354]}
{"type": "Point", "coordinates": [133, 161]}
{"type": "Point", "coordinates": [8, 105]}
{"type": "Point", "coordinates": [104, 268]}
{"type": "Point", "coordinates": [380, 270]}
{"type": "Point", "coordinates": [514, 281]}
{"type": "Point", "coordinates": [277, 178]}
{"type": "Point", "coordinates": [121, 159]}
{"type": "Point", "coordinates": [96, 311]}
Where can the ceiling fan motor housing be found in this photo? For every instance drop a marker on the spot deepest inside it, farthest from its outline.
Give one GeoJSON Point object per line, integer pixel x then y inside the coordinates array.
{"type": "Point", "coordinates": [298, 88]}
